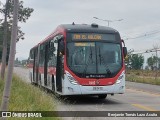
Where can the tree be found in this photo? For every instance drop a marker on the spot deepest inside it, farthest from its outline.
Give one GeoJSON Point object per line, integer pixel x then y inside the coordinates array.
{"type": "Point", "coordinates": [24, 14]}
{"type": "Point", "coordinates": [137, 61]}
{"type": "Point", "coordinates": [151, 61]}
{"type": "Point", "coordinates": [128, 60]}
{"type": "Point", "coordinates": [7, 88]}
{"type": "Point", "coordinates": [1, 40]}
{"type": "Point", "coordinates": [159, 63]}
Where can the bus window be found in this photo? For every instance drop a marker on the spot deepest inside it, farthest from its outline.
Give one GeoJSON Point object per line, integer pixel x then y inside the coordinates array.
{"type": "Point", "coordinates": [31, 54]}
{"type": "Point", "coordinates": [42, 55]}
{"type": "Point", "coordinates": [94, 57]}
{"type": "Point", "coordinates": [52, 56]}
{"type": "Point", "coordinates": [31, 58]}
{"type": "Point", "coordinates": [78, 56]}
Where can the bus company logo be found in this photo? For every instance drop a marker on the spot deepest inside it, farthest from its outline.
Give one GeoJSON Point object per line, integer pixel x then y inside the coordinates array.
{"type": "Point", "coordinates": [97, 82]}
{"type": "Point", "coordinates": [92, 82]}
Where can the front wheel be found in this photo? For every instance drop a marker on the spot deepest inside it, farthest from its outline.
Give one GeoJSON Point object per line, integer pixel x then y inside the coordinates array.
{"type": "Point", "coordinates": [102, 96]}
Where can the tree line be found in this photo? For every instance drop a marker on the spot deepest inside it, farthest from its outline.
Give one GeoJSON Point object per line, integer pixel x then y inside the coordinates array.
{"type": "Point", "coordinates": [136, 61]}
{"type": "Point", "coordinates": [6, 10]}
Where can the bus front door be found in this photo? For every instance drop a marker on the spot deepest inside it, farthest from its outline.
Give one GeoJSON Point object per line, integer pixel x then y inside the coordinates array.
{"type": "Point", "coordinates": [46, 65]}
{"type": "Point", "coordinates": [59, 70]}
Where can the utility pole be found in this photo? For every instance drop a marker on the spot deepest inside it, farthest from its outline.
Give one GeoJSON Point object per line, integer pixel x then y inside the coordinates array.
{"type": "Point", "coordinates": [4, 53]}
{"type": "Point", "coordinates": [156, 64]}
{"type": "Point", "coordinates": [7, 88]}
{"type": "Point", "coordinates": [155, 49]}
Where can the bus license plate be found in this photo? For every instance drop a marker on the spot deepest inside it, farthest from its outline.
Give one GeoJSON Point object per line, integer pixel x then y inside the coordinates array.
{"type": "Point", "coordinates": [97, 88]}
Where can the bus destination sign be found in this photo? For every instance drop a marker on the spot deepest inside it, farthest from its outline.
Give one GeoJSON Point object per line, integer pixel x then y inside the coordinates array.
{"type": "Point", "coordinates": [87, 36]}
{"type": "Point", "coordinates": [92, 36]}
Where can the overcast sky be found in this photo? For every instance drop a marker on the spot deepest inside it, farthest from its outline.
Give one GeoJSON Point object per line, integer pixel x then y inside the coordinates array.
{"type": "Point", "coordinates": [140, 18]}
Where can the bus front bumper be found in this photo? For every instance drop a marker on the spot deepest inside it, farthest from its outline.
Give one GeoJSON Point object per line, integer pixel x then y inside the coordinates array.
{"type": "Point", "coordinates": [71, 89]}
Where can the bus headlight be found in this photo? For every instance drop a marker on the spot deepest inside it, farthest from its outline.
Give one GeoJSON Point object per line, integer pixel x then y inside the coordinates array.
{"type": "Point", "coordinates": [71, 78]}
{"type": "Point", "coordinates": [120, 78]}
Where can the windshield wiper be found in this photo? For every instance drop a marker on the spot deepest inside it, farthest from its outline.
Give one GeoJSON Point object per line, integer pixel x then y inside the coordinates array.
{"type": "Point", "coordinates": [88, 60]}
{"type": "Point", "coordinates": [101, 59]}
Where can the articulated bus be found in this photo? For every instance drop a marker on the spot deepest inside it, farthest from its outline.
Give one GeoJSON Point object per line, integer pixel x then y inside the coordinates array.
{"type": "Point", "coordinates": [80, 60]}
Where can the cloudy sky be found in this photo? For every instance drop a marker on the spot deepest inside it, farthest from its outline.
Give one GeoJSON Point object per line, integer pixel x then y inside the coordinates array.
{"type": "Point", "coordinates": [141, 20]}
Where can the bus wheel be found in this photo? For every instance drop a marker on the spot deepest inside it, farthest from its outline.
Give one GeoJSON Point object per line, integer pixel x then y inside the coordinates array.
{"type": "Point", "coordinates": [102, 96]}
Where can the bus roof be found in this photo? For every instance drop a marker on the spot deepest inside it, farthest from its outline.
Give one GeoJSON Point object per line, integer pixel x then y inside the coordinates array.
{"type": "Point", "coordinates": [87, 28]}
{"type": "Point", "coordinates": [81, 28]}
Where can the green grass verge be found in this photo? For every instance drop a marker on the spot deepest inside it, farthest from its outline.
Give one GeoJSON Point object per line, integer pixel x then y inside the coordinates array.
{"type": "Point", "coordinates": [25, 97]}
{"type": "Point", "coordinates": [143, 79]}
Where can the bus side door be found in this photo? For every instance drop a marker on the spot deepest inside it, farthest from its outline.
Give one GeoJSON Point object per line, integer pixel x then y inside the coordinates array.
{"type": "Point", "coordinates": [35, 66]}
{"type": "Point", "coordinates": [60, 67]}
{"type": "Point", "coordinates": [46, 64]}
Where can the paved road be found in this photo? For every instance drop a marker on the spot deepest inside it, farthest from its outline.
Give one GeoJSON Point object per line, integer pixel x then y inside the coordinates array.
{"type": "Point", "coordinates": [138, 97]}
{"type": "Point", "coordinates": [144, 87]}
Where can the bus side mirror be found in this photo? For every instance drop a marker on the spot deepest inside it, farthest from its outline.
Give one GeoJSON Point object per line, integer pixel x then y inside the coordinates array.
{"type": "Point", "coordinates": [60, 40]}
{"type": "Point", "coordinates": [125, 51]}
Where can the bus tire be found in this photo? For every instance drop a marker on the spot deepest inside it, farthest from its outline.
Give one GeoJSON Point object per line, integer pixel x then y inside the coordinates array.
{"type": "Point", "coordinates": [103, 96]}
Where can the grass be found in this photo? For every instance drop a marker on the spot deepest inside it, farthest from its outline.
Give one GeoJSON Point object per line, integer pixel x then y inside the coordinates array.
{"type": "Point", "coordinates": [25, 97]}
{"type": "Point", "coordinates": [143, 76]}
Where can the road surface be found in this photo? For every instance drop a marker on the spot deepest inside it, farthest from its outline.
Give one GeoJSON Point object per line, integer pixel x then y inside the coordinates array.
{"type": "Point", "coordinates": [138, 97]}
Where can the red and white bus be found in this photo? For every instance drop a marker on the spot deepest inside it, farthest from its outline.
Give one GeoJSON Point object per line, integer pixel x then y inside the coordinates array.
{"type": "Point", "coordinates": [80, 60]}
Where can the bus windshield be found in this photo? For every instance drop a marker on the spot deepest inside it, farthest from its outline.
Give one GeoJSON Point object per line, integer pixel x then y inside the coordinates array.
{"type": "Point", "coordinates": [94, 58]}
